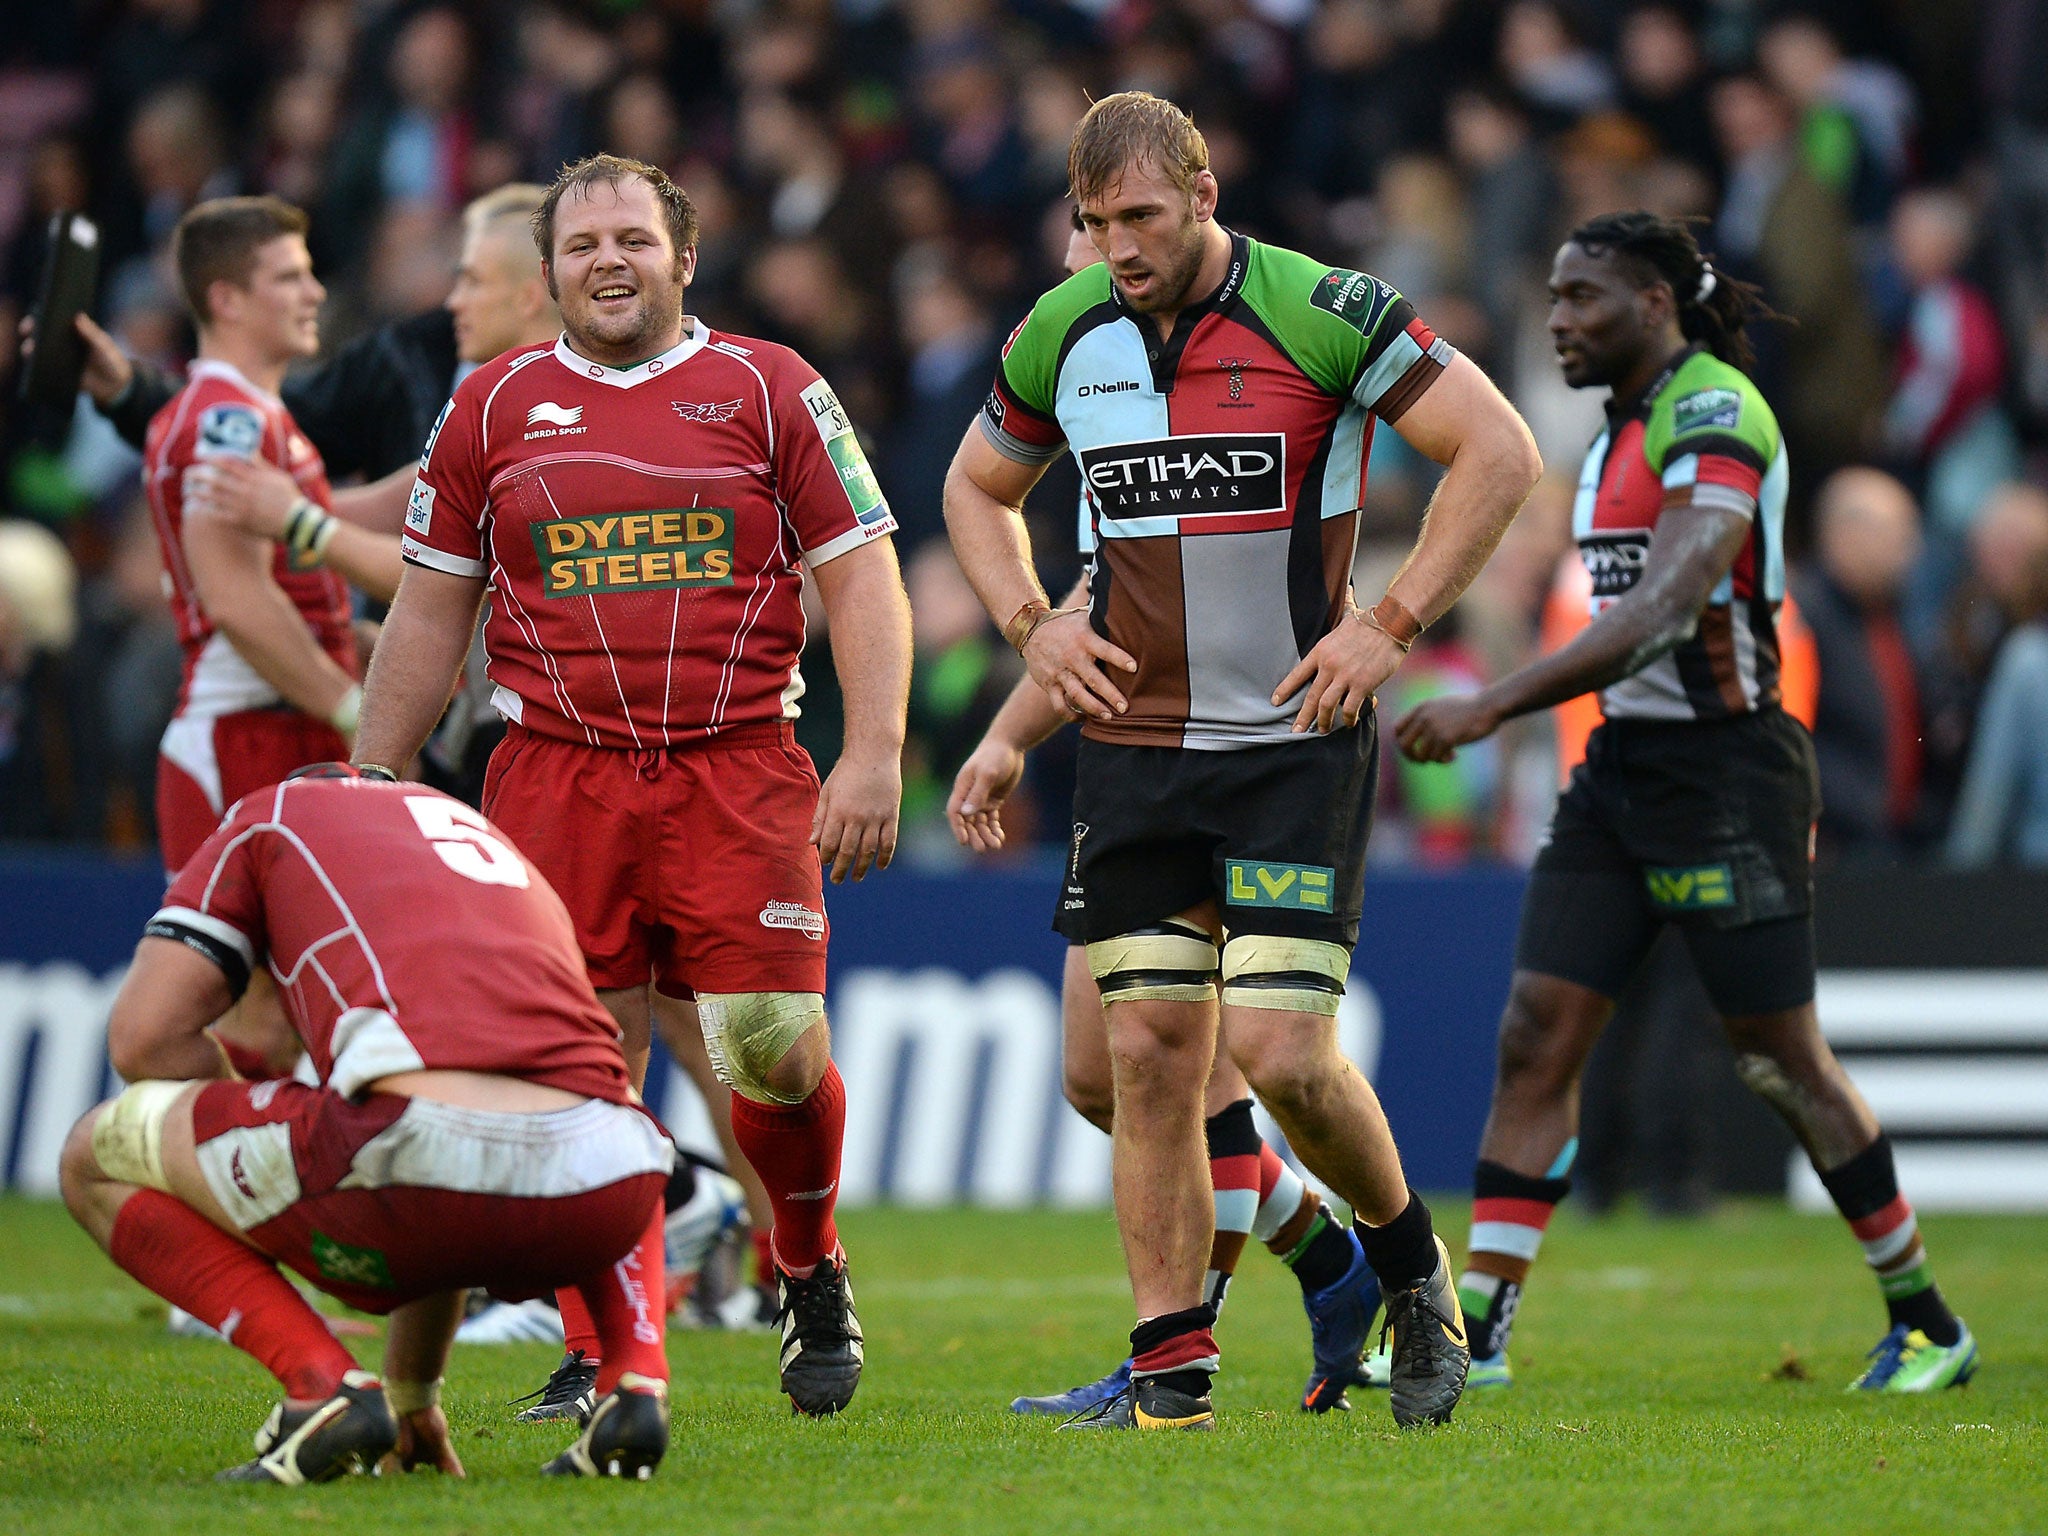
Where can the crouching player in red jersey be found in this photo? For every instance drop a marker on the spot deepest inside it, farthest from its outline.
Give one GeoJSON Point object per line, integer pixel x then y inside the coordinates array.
{"type": "Point", "coordinates": [476, 1127]}
{"type": "Point", "coordinates": [646, 498]}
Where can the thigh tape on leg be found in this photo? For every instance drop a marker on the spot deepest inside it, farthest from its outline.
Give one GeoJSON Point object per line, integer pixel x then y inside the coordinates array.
{"type": "Point", "coordinates": [1173, 961]}
{"type": "Point", "coordinates": [1262, 970]}
{"type": "Point", "coordinates": [747, 1033]}
{"type": "Point", "coordinates": [128, 1139]}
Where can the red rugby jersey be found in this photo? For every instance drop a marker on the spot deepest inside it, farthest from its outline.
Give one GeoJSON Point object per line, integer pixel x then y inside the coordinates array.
{"type": "Point", "coordinates": [220, 414]}
{"type": "Point", "coordinates": [644, 531]}
{"type": "Point", "coordinates": [404, 932]}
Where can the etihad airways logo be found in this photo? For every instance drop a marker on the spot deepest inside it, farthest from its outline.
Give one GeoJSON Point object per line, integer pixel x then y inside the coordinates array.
{"type": "Point", "coordinates": [1615, 560]}
{"type": "Point", "coordinates": [1201, 474]}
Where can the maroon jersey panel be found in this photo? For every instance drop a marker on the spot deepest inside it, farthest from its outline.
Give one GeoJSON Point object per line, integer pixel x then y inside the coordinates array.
{"type": "Point", "coordinates": [645, 531]}
{"type": "Point", "coordinates": [404, 932]}
{"type": "Point", "coordinates": [220, 414]}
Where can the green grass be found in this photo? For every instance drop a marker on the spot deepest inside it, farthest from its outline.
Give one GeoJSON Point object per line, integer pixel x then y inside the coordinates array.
{"type": "Point", "coordinates": [1671, 1378]}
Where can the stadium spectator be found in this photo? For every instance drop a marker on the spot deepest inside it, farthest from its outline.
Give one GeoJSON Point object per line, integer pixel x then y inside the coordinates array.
{"type": "Point", "coordinates": [1945, 421]}
{"type": "Point", "coordinates": [1791, 232]}
{"type": "Point", "coordinates": [2002, 813]}
{"type": "Point", "coordinates": [650, 743]}
{"type": "Point", "coordinates": [1998, 808]}
{"type": "Point", "coordinates": [1868, 731]}
{"type": "Point", "coordinates": [491, 1138]}
{"type": "Point", "coordinates": [38, 618]}
{"type": "Point", "coordinates": [950, 343]}
{"type": "Point", "coordinates": [2007, 539]}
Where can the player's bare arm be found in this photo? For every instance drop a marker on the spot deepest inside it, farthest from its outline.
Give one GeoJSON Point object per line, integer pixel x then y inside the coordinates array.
{"type": "Point", "coordinates": [1690, 551]}
{"type": "Point", "coordinates": [261, 499]}
{"type": "Point", "coordinates": [996, 765]}
{"type": "Point", "coordinates": [419, 657]}
{"type": "Point", "coordinates": [416, 1345]}
{"type": "Point", "coordinates": [861, 801]}
{"type": "Point", "coordinates": [985, 494]}
{"type": "Point", "coordinates": [1490, 461]}
{"type": "Point", "coordinates": [157, 1031]}
{"type": "Point", "coordinates": [232, 573]}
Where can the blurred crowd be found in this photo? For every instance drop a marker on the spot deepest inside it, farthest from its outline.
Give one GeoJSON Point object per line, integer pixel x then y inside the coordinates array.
{"type": "Point", "coordinates": [881, 185]}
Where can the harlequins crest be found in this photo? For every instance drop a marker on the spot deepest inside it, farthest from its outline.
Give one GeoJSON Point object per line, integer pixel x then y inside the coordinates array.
{"type": "Point", "coordinates": [1237, 366]}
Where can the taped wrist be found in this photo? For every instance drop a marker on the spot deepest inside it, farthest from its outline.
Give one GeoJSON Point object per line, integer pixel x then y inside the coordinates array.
{"type": "Point", "coordinates": [1174, 961]}
{"type": "Point", "coordinates": [1263, 970]}
{"type": "Point", "coordinates": [307, 533]}
{"type": "Point", "coordinates": [412, 1396]}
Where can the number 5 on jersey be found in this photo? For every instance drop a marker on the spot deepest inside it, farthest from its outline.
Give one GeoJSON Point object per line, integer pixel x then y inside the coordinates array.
{"type": "Point", "coordinates": [466, 843]}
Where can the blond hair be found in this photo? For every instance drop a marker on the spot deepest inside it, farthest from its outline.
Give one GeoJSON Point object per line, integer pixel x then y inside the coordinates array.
{"type": "Point", "coordinates": [1133, 128]}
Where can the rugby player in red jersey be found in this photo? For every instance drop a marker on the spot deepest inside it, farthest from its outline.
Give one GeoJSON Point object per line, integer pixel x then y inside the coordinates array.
{"type": "Point", "coordinates": [270, 656]}
{"type": "Point", "coordinates": [645, 497]}
{"type": "Point", "coordinates": [270, 661]}
{"type": "Point", "coordinates": [475, 1127]}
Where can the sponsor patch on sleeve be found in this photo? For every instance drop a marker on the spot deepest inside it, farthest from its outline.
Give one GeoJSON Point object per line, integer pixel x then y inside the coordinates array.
{"type": "Point", "coordinates": [1704, 408]}
{"type": "Point", "coordinates": [835, 428]}
{"type": "Point", "coordinates": [229, 432]}
{"type": "Point", "coordinates": [1357, 297]}
{"type": "Point", "coordinates": [419, 508]}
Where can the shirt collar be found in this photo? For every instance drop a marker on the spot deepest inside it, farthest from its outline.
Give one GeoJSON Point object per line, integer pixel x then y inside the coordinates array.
{"type": "Point", "coordinates": [1622, 410]}
{"type": "Point", "coordinates": [215, 368]}
{"type": "Point", "coordinates": [1225, 292]}
{"type": "Point", "coordinates": [696, 334]}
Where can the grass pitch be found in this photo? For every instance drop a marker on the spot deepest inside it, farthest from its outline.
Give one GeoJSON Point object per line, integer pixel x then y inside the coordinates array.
{"type": "Point", "coordinates": [1670, 1378]}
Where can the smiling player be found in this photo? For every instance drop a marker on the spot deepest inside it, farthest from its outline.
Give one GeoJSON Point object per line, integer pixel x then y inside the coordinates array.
{"type": "Point", "coordinates": [645, 498]}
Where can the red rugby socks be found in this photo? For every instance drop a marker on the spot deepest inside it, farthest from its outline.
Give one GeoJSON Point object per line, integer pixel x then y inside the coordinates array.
{"type": "Point", "coordinates": [795, 1148]}
{"type": "Point", "coordinates": [229, 1286]}
{"type": "Point", "coordinates": [623, 1308]}
{"type": "Point", "coordinates": [579, 1329]}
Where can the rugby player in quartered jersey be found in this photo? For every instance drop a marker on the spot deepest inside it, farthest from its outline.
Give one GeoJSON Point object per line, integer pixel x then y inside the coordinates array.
{"type": "Point", "coordinates": [1695, 803]}
{"type": "Point", "coordinates": [1218, 395]}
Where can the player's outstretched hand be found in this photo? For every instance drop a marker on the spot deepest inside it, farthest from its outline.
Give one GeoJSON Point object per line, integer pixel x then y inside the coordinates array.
{"type": "Point", "coordinates": [423, 1442]}
{"type": "Point", "coordinates": [984, 782]}
{"type": "Point", "coordinates": [1341, 673]}
{"type": "Point", "coordinates": [107, 368]}
{"type": "Point", "coordinates": [858, 810]}
{"type": "Point", "coordinates": [1067, 658]}
{"type": "Point", "coordinates": [254, 496]}
{"type": "Point", "coordinates": [1433, 730]}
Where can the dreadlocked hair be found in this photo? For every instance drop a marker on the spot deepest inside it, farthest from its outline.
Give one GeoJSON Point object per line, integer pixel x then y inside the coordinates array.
{"type": "Point", "coordinates": [1713, 308]}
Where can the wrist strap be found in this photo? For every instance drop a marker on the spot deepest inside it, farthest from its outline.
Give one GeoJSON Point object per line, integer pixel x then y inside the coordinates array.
{"type": "Point", "coordinates": [1025, 621]}
{"type": "Point", "coordinates": [1390, 616]}
{"type": "Point", "coordinates": [345, 715]}
{"type": "Point", "coordinates": [376, 771]}
{"type": "Point", "coordinates": [412, 1396]}
{"type": "Point", "coordinates": [307, 533]}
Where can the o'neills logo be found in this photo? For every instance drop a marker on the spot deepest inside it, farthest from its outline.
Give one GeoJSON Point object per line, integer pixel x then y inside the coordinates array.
{"type": "Point", "coordinates": [790, 914]}
{"type": "Point", "coordinates": [635, 551]}
{"type": "Point", "coordinates": [1201, 474]}
{"type": "Point", "coordinates": [1615, 561]}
